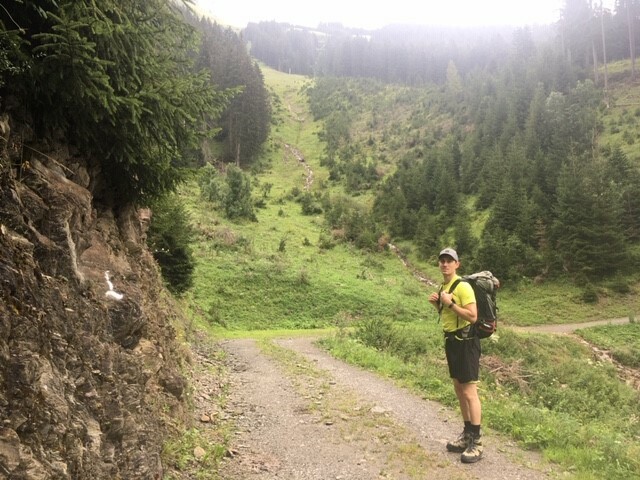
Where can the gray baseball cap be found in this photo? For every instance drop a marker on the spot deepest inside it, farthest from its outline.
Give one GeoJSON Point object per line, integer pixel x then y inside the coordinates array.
{"type": "Point", "coordinates": [451, 252]}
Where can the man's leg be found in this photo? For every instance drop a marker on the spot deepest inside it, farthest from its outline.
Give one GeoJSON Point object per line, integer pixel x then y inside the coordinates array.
{"type": "Point", "coordinates": [470, 406]}
{"type": "Point", "coordinates": [461, 443]}
{"type": "Point", "coordinates": [471, 409]}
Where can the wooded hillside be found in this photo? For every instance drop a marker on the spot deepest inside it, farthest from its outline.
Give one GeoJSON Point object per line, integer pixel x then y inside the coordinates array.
{"type": "Point", "coordinates": [511, 146]}
{"type": "Point", "coordinates": [585, 35]}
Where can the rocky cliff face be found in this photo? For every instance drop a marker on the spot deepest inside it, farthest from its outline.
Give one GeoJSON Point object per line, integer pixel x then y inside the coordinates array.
{"type": "Point", "coordinates": [89, 365]}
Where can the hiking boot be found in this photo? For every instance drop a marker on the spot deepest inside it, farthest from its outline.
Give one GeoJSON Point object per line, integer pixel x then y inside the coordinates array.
{"type": "Point", "coordinates": [473, 452]}
{"type": "Point", "coordinates": [460, 444]}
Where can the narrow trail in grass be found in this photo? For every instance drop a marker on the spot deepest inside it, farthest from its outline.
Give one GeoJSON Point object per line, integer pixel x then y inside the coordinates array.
{"type": "Point", "coordinates": [308, 183]}
{"type": "Point", "coordinates": [304, 415]}
{"type": "Point", "coordinates": [569, 328]}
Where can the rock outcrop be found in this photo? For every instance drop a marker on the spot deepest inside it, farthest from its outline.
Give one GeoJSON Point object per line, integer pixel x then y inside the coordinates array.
{"type": "Point", "coordinates": [91, 381]}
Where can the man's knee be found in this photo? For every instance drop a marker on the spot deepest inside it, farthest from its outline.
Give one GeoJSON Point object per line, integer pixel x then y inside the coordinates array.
{"type": "Point", "coordinates": [469, 390]}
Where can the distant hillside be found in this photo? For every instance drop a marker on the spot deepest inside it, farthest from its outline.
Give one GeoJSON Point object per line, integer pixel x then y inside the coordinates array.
{"type": "Point", "coordinates": [418, 55]}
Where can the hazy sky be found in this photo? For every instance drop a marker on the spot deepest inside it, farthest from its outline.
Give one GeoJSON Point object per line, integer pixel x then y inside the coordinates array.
{"type": "Point", "coordinates": [375, 14]}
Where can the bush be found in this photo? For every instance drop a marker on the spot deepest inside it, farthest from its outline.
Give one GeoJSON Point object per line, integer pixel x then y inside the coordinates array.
{"type": "Point", "coordinates": [621, 286]}
{"type": "Point", "coordinates": [403, 341]}
{"type": "Point", "coordinates": [589, 294]}
{"type": "Point", "coordinates": [309, 205]}
{"type": "Point", "coordinates": [325, 242]}
{"type": "Point", "coordinates": [375, 333]}
{"type": "Point", "coordinates": [212, 185]}
{"type": "Point", "coordinates": [628, 137]}
{"type": "Point", "coordinates": [237, 203]}
{"type": "Point", "coordinates": [169, 238]}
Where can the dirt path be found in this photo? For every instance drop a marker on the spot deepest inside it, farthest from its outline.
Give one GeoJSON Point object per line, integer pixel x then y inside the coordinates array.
{"type": "Point", "coordinates": [290, 150]}
{"type": "Point", "coordinates": [568, 328]}
{"type": "Point", "coordinates": [297, 413]}
{"type": "Point", "coordinates": [303, 415]}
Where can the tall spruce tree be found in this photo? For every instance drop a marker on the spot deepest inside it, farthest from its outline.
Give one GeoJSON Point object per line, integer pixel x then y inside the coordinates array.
{"type": "Point", "coordinates": [588, 233]}
{"type": "Point", "coordinates": [625, 179]}
{"type": "Point", "coordinates": [244, 125]}
{"type": "Point", "coordinates": [115, 77]}
{"type": "Point", "coordinates": [577, 19]}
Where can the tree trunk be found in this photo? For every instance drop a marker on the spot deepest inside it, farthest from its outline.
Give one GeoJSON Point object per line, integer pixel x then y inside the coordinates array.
{"type": "Point", "coordinates": [595, 62]}
{"type": "Point", "coordinates": [604, 57]}
{"type": "Point", "coordinates": [632, 43]}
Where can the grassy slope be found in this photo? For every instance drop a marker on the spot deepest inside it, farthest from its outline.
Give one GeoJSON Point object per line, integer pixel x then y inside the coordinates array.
{"type": "Point", "coordinates": [544, 391]}
{"type": "Point", "coordinates": [271, 273]}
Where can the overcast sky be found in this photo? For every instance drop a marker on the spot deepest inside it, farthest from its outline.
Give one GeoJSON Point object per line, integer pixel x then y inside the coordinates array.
{"type": "Point", "coordinates": [374, 14]}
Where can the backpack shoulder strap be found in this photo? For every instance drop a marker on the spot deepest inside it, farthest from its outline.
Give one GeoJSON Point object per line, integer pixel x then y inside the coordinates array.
{"type": "Point", "coordinates": [451, 289]}
{"type": "Point", "coordinates": [454, 285]}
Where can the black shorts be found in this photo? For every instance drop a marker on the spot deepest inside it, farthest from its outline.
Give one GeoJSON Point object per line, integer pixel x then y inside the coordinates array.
{"type": "Point", "coordinates": [463, 358]}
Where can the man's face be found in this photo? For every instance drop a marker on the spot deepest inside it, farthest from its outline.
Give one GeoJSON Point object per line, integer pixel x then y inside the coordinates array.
{"type": "Point", "coordinates": [447, 264]}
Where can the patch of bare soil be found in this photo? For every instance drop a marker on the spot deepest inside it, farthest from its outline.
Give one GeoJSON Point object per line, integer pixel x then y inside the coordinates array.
{"type": "Point", "coordinates": [290, 150]}
{"type": "Point", "coordinates": [301, 414]}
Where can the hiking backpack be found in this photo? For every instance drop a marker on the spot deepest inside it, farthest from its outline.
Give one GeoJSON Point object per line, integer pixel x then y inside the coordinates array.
{"type": "Point", "coordinates": [484, 286]}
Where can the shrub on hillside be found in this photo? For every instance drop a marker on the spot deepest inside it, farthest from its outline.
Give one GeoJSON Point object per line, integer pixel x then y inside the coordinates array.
{"type": "Point", "coordinates": [231, 192]}
{"type": "Point", "coordinates": [212, 185]}
{"type": "Point", "coordinates": [384, 335]}
{"type": "Point", "coordinates": [237, 202]}
{"type": "Point", "coordinates": [589, 294]}
{"type": "Point", "coordinates": [169, 238]}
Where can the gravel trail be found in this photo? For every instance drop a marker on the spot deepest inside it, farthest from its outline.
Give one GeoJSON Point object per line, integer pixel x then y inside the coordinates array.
{"type": "Point", "coordinates": [318, 418]}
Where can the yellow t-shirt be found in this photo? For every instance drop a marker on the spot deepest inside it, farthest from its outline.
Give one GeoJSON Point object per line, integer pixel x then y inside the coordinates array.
{"type": "Point", "coordinates": [462, 295]}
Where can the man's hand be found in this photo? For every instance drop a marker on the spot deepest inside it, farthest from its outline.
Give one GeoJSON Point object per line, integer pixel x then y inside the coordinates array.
{"type": "Point", "coordinates": [446, 298]}
{"type": "Point", "coordinates": [434, 299]}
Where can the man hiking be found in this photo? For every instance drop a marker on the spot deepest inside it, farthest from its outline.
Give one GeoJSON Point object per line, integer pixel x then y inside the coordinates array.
{"type": "Point", "coordinates": [458, 311]}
